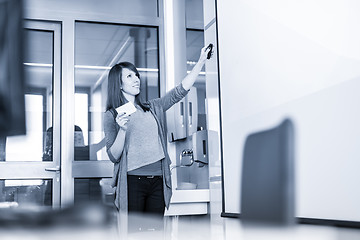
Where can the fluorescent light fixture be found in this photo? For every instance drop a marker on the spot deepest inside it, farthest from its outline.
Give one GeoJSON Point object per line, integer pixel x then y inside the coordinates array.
{"type": "Point", "coordinates": [92, 67]}
{"type": "Point", "coordinates": [148, 70]}
{"type": "Point", "coordinates": [108, 68]}
{"type": "Point", "coordinates": [38, 64]}
{"type": "Point", "coordinates": [201, 73]}
{"type": "Point", "coordinates": [89, 67]}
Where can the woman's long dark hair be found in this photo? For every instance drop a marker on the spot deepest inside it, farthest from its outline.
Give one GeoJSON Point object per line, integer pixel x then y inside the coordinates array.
{"type": "Point", "coordinates": [115, 97]}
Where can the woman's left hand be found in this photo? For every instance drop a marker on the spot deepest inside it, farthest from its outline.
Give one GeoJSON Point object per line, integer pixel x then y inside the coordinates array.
{"type": "Point", "coordinates": [204, 53]}
{"type": "Point", "coordinates": [190, 79]}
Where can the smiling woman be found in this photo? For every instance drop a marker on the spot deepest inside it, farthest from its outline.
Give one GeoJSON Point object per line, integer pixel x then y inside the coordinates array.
{"type": "Point", "coordinates": [136, 143]}
{"type": "Point", "coordinates": [124, 86]}
{"type": "Point", "coordinates": [131, 82]}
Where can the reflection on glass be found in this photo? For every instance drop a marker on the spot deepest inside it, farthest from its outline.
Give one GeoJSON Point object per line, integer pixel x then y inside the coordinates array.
{"type": "Point", "coordinates": [81, 116]}
{"type": "Point", "coordinates": [194, 42]}
{"type": "Point", "coordinates": [97, 48]}
{"type": "Point", "coordinates": [38, 103]}
{"type": "Point", "coordinates": [81, 151]}
{"type": "Point", "coordinates": [97, 190]}
{"type": "Point", "coordinates": [25, 193]}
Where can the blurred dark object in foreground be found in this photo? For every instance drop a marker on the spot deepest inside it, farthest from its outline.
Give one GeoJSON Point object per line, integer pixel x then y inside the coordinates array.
{"type": "Point", "coordinates": [12, 103]}
{"type": "Point", "coordinates": [86, 215]}
{"type": "Point", "coordinates": [268, 189]}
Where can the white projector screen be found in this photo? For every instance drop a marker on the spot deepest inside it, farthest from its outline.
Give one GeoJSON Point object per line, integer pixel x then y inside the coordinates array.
{"type": "Point", "coordinates": [297, 59]}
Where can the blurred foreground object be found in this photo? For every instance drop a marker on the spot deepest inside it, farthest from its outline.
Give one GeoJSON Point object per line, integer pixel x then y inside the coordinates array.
{"type": "Point", "coordinates": [12, 103]}
{"type": "Point", "coordinates": [86, 215]}
{"type": "Point", "coordinates": [267, 194]}
{"type": "Point", "coordinates": [89, 221]}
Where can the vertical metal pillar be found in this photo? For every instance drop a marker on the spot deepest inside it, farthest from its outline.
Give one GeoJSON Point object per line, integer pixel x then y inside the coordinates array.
{"type": "Point", "coordinates": [175, 58]}
{"type": "Point", "coordinates": [175, 50]}
{"type": "Point", "coordinates": [140, 36]}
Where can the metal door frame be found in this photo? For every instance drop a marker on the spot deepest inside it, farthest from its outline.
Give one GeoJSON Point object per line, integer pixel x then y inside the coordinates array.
{"type": "Point", "coordinates": [44, 170]}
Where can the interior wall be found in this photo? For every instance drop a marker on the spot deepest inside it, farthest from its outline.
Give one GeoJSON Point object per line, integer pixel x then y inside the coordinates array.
{"type": "Point", "coordinates": [297, 59]}
{"type": "Point", "coordinates": [124, 8]}
{"type": "Point", "coordinates": [194, 14]}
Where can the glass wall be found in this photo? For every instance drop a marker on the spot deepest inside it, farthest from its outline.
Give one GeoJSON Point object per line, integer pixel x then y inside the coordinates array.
{"type": "Point", "coordinates": [98, 47]}
{"type": "Point", "coordinates": [96, 190]}
{"type": "Point", "coordinates": [36, 145]}
{"type": "Point", "coordinates": [109, 32]}
{"type": "Point", "coordinates": [24, 180]}
{"type": "Point", "coordinates": [194, 42]}
{"type": "Point", "coordinates": [26, 193]}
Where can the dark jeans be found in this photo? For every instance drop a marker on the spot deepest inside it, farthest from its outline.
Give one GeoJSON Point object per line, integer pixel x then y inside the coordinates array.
{"type": "Point", "coordinates": [146, 195]}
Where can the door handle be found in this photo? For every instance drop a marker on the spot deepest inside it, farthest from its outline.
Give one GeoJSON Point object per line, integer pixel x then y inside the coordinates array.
{"type": "Point", "coordinates": [190, 114]}
{"type": "Point", "coordinates": [53, 169]}
{"type": "Point", "coordinates": [182, 114]}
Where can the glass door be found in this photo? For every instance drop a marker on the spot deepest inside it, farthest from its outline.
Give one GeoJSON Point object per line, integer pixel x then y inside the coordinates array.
{"type": "Point", "coordinates": [30, 164]}
{"type": "Point", "coordinates": [99, 46]}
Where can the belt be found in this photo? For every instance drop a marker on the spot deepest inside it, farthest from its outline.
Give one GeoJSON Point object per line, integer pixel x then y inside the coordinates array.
{"type": "Point", "coordinates": [141, 176]}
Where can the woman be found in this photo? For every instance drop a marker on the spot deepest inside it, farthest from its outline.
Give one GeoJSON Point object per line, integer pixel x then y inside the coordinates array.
{"type": "Point", "coordinates": [136, 144]}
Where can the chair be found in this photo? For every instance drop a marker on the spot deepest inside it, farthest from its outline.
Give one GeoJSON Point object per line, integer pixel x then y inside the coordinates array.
{"type": "Point", "coordinates": [267, 186]}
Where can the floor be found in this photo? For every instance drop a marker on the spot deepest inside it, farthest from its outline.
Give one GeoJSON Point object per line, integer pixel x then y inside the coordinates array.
{"type": "Point", "coordinates": [94, 224]}
{"type": "Point", "coordinates": [207, 228]}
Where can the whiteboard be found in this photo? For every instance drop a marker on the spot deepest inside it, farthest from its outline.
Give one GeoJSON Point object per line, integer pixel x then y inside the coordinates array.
{"type": "Point", "coordinates": [297, 59]}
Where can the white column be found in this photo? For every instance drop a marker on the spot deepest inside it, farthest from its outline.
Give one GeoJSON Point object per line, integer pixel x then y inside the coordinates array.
{"type": "Point", "coordinates": [175, 42]}
{"type": "Point", "coordinates": [175, 56]}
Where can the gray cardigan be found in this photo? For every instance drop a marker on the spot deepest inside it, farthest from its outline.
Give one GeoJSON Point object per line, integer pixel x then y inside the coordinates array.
{"type": "Point", "coordinates": [158, 107]}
